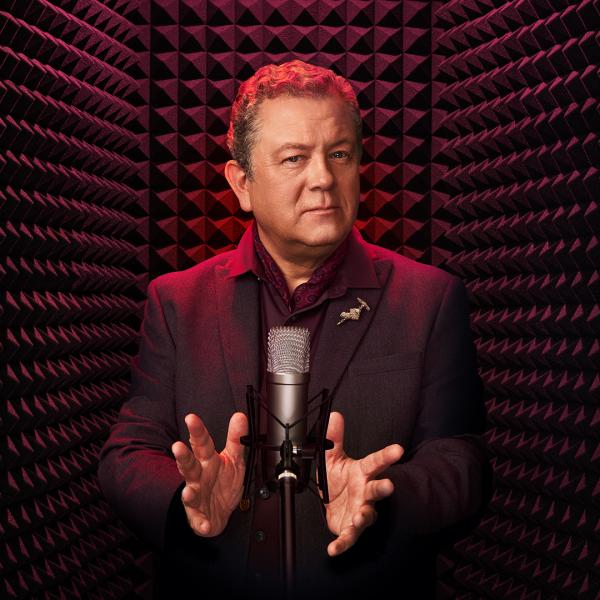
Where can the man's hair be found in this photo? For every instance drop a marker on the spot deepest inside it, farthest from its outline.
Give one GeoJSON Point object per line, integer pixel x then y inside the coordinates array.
{"type": "Point", "coordinates": [294, 78]}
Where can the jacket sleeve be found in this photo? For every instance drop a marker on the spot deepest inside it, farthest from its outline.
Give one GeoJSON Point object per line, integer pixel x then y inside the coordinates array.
{"type": "Point", "coordinates": [444, 478]}
{"type": "Point", "coordinates": [137, 472]}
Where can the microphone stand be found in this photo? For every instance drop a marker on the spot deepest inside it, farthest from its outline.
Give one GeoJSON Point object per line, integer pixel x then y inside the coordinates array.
{"type": "Point", "coordinates": [290, 476]}
{"type": "Point", "coordinates": [287, 478]}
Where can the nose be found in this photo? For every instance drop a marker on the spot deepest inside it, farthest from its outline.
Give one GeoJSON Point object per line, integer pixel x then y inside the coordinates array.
{"type": "Point", "coordinates": [320, 174]}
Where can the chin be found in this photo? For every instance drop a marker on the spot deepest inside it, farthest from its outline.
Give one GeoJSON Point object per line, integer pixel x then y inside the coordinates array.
{"type": "Point", "coordinates": [326, 236]}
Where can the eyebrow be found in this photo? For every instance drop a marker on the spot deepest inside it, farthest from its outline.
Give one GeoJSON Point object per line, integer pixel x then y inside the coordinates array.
{"type": "Point", "coordinates": [295, 146]}
{"type": "Point", "coordinates": [291, 146]}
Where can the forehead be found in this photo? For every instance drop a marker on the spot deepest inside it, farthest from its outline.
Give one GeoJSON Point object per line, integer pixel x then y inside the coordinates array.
{"type": "Point", "coordinates": [289, 119]}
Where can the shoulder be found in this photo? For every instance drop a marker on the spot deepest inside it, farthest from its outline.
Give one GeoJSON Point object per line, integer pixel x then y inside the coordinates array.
{"type": "Point", "coordinates": [416, 288]}
{"type": "Point", "coordinates": [408, 271]}
{"type": "Point", "coordinates": [200, 276]}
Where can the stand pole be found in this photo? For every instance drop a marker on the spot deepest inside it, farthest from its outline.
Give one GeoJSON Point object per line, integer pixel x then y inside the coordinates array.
{"type": "Point", "coordinates": [291, 473]}
{"type": "Point", "coordinates": [287, 492]}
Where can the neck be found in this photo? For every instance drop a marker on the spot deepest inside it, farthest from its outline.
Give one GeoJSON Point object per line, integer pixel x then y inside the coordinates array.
{"type": "Point", "coordinates": [297, 273]}
{"type": "Point", "coordinates": [298, 268]}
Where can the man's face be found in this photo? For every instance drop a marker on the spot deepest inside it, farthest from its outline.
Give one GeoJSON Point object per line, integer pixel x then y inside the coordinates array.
{"type": "Point", "coordinates": [305, 187]}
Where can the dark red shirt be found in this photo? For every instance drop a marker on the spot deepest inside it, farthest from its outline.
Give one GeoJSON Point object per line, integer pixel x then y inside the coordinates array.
{"type": "Point", "coordinates": [348, 267]}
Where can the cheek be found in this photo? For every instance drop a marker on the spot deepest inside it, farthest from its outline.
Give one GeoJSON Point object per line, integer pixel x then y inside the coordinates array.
{"type": "Point", "coordinates": [278, 205]}
{"type": "Point", "coordinates": [285, 196]}
{"type": "Point", "coordinates": [351, 190]}
{"type": "Point", "coordinates": [349, 179]}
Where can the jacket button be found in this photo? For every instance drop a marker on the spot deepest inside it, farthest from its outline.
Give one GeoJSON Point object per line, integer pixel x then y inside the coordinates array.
{"type": "Point", "coordinates": [260, 536]}
{"type": "Point", "coordinates": [264, 492]}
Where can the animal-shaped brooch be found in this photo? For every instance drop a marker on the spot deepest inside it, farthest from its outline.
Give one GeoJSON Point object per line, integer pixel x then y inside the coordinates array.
{"type": "Point", "coordinates": [353, 314]}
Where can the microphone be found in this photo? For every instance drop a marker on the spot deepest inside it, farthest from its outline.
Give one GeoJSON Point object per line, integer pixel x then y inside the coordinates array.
{"type": "Point", "coordinates": [286, 449]}
{"type": "Point", "coordinates": [288, 360]}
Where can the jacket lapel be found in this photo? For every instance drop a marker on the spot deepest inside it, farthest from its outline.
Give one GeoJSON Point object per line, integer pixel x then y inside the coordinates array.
{"type": "Point", "coordinates": [239, 320]}
{"type": "Point", "coordinates": [239, 324]}
{"type": "Point", "coordinates": [338, 343]}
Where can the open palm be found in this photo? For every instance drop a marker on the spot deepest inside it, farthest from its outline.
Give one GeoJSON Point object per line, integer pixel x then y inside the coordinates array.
{"type": "Point", "coordinates": [353, 490]}
{"type": "Point", "coordinates": [213, 480]}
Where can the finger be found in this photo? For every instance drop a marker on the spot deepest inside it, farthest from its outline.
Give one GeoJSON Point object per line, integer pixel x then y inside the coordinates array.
{"type": "Point", "coordinates": [335, 432]}
{"type": "Point", "coordinates": [200, 441]}
{"type": "Point", "coordinates": [378, 489]}
{"type": "Point", "coordinates": [190, 497]}
{"type": "Point", "coordinates": [200, 526]}
{"type": "Point", "coordinates": [238, 426]}
{"type": "Point", "coordinates": [364, 518]}
{"type": "Point", "coordinates": [376, 462]}
{"type": "Point", "coordinates": [345, 540]}
{"type": "Point", "coordinates": [187, 464]}
{"type": "Point", "coordinates": [197, 520]}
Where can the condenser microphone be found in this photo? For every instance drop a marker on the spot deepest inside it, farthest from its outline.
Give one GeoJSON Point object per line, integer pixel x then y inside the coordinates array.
{"type": "Point", "coordinates": [286, 450]}
{"type": "Point", "coordinates": [288, 360]}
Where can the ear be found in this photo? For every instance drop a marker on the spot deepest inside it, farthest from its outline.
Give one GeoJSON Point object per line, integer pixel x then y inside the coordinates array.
{"type": "Point", "coordinates": [238, 180]}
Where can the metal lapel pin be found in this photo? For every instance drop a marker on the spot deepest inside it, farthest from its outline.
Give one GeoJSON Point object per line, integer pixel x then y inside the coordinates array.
{"type": "Point", "coordinates": [353, 314]}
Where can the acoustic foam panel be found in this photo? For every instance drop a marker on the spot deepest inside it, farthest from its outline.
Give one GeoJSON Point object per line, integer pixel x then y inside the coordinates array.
{"type": "Point", "coordinates": [515, 136]}
{"type": "Point", "coordinates": [201, 51]}
{"type": "Point", "coordinates": [536, 352]}
{"type": "Point", "coordinates": [73, 272]}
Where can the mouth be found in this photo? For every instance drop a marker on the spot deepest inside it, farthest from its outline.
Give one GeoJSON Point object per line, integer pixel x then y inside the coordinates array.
{"type": "Point", "coordinates": [322, 211]}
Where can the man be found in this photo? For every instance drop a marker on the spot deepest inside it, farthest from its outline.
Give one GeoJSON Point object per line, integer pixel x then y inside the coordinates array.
{"type": "Point", "coordinates": [407, 461]}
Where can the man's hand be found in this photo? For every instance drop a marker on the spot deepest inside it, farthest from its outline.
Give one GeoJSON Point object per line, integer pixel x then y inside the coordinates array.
{"type": "Point", "coordinates": [353, 490]}
{"type": "Point", "coordinates": [213, 481]}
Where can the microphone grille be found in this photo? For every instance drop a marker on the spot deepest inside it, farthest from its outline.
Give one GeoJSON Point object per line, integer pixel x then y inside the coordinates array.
{"type": "Point", "coordinates": [288, 350]}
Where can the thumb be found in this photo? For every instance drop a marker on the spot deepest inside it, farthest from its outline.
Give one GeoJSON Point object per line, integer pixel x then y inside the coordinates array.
{"type": "Point", "coordinates": [335, 432]}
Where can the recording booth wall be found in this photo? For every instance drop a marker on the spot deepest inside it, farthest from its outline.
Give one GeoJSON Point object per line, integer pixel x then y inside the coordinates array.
{"type": "Point", "coordinates": [481, 156]}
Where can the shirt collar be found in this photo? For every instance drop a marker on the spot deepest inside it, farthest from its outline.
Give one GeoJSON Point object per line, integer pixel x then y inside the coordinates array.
{"type": "Point", "coordinates": [243, 259]}
{"type": "Point", "coordinates": [357, 271]}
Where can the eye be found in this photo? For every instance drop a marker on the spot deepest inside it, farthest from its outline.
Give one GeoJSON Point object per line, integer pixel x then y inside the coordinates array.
{"type": "Point", "coordinates": [340, 154]}
{"type": "Point", "coordinates": [293, 159]}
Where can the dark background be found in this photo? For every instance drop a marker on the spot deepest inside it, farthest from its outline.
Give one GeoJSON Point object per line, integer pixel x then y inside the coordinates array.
{"type": "Point", "coordinates": [481, 156]}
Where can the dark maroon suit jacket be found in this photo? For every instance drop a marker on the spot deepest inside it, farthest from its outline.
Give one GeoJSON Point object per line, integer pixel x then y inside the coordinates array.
{"type": "Point", "coordinates": [404, 373]}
